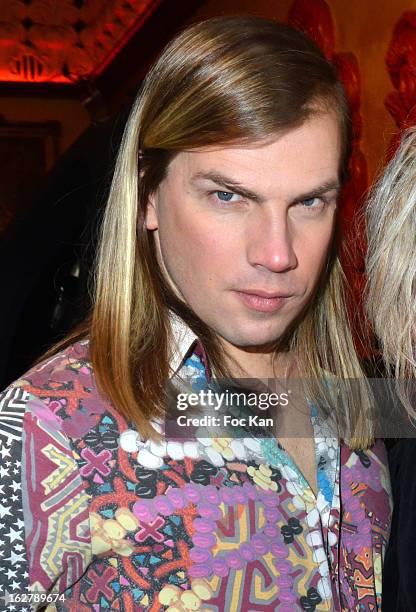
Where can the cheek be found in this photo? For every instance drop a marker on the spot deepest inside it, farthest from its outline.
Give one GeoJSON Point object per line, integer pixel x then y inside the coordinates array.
{"type": "Point", "coordinates": [201, 234]}
{"type": "Point", "coordinates": [197, 246]}
{"type": "Point", "coordinates": [177, 230]}
{"type": "Point", "coordinates": [314, 251]}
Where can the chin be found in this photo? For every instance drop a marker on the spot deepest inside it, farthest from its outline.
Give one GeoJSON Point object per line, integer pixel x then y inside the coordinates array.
{"type": "Point", "coordinates": [252, 340]}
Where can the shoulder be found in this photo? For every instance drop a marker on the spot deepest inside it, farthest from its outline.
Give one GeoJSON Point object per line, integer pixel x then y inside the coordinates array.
{"type": "Point", "coordinates": [40, 475]}
{"type": "Point", "coordinates": [60, 391]}
{"type": "Point", "coordinates": [62, 367]}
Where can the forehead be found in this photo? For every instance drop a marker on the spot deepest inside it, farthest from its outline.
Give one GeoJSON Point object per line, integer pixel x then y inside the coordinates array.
{"type": "Point", "coordinates": [298, 157]}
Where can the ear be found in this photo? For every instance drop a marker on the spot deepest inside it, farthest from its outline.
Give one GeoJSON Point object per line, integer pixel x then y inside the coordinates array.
{"type": "Point", "coordinates": [151, 221]}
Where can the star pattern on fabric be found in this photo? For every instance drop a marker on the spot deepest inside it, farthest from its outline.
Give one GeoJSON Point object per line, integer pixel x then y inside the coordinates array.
{"type": "Point", "coordinates": [8, 605]}
{"type": "Point", "coordinates": [12, 549]}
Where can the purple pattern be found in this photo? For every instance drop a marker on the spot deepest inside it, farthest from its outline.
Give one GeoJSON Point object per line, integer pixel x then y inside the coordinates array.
{"type": "Point", "coordinates": [185, 522]}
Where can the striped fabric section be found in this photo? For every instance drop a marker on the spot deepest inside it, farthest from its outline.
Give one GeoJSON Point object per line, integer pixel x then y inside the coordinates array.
{"type": "Point", "coordinates": [12, 410]}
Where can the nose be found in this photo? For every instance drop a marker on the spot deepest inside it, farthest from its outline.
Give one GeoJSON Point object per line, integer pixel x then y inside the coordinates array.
{"type": "Point", "coordinates": [270, 243]}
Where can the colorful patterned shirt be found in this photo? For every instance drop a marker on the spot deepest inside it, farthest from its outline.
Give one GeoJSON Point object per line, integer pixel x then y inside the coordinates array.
{"type": "Point", "coordinates": [102, 520]}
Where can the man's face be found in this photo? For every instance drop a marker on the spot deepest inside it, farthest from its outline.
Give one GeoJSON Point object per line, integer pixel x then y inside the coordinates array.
{"type": "Point", "coordinates": [242, 233]}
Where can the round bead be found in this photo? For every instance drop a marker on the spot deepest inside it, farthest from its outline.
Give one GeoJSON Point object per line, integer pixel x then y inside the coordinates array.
{"type": "Point", "coordinates": [126, 519]}
{"type": "Point", "coordinates": [169, 594]}
{"type": "Point", "coordinates": [190, 600]}
{"type": "Point", "coordinates": [271, 531]}
{"type": "Point", "coordinates": [279, 549]}
{"type": "Point", "coordinates": [176, 497]}
{"type": "Point", "coordinates": [190, 449]}
{"type": "Point", "coordinates": [200, 570]}
{"type": "Point", "coordinates": [200, 555]}
{"type": "Point", "coordinates": [247, 552]}
{"type": "Point", "coordinates": [148, 459]}
{"type": "Point", "coordinates": [314, 538]}
{"type": "Point", "coordinates": [175, 450]}
{"type": "Point", "coordinates": [234, 560]}
{"type": "Point", "coordinates": [220, 567]}
{"type": "Point", "coordinates": [113, 529]}
{"type": "Point", "coordinates": [228, 496]}
{"type": "Point", "coordinates": [144, 511]}
{"type": "Point", "coordinates": [163, 506]}
{"type": "Point", "coordinates": [238, 448]}
{"type": "Point", "coordinates": [211, 494]}
{"type": "Point", "coordinates": [260, 544]}
{"type": "Point", "coordinates": [210, 511]}
{"type": "Point", "coordinates": [203, 525]}
{"type": "Point", "coordinates": [175, 607]}
{"type": "Point", "coordinates": [158, 448]}
{"type": "Point", "coordinates": [202, 589]}
{"type": "Point", "coordinates": [129, 440]}
{"type": "Point", "coordinates": [312, 518]}
{"type": "Point", "coordinates": [192, 492]}
{"type": "Point", "coordinates": [284, 581]}
{"type": "Point", "coordinates": [253, 445]}
{"type": "Point", "coordinates": [283, 567]}
{"type": "Point", "coordinates": [204, 540]}
{"type": "Point", "coordinates": [214, 456]}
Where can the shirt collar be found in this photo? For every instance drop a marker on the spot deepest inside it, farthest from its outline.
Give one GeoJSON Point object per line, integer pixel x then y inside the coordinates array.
{"type": "Point", "coordinates": [183, 340]}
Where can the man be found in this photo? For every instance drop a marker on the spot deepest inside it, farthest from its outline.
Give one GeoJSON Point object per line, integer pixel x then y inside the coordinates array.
{"type": "Point", "coordinates": [217, 259]}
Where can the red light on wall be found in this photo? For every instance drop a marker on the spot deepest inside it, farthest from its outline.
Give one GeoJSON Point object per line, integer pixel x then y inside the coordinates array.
{"type": "Point", "coordinates": [72, 42]}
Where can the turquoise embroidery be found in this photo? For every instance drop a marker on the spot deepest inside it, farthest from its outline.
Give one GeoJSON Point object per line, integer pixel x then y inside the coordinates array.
{"type": "Point", "coordinates": [272, 451]}
{"type": "Point", "coordinates": [276, 456]}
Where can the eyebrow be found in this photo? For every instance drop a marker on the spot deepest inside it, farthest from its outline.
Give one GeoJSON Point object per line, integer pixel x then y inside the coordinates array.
{"type": "Point", "coordinates": [231, 185]}
{"type": "Point", "coordinates": [322, 189]}
{"type": "Point", "coordinates": [227, 183]}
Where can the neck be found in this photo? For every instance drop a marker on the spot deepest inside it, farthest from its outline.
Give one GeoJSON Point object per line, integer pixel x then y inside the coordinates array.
{"type": "Point", "coordinates": [258, 363]}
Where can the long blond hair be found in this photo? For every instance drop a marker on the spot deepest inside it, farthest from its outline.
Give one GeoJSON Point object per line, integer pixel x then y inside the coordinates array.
{"type": "Point", "coordinates": [225, 80]}
{"type": "Point", "coordinates": [391, 264]}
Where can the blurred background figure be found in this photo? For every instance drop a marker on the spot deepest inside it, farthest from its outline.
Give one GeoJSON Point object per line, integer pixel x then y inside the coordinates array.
{"type": "Point", "coordinates": [391, 307]}
{"type": "Point", "coordinates": [68, 73]}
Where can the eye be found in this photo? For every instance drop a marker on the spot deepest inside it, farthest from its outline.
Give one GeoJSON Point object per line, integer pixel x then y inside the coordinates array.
{"type": "Point", "coordinates": [227, 196]}
{"type": "Point", "coordinates": [312, 202]}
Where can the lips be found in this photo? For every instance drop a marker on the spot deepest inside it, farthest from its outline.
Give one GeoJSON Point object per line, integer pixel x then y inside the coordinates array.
{"type": "Point", "coordinates": [263, 301]}
{"type": "Point", "coordinates": [265, 294]}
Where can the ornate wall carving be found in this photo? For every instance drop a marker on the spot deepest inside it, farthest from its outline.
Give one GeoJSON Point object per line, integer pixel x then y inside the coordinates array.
{"type": "Point", "coordinates": [65, 40]}
{"type": "Point", "coordinates": [315, 19]}
{"type": "Point", "coordinates": [401, 66]}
